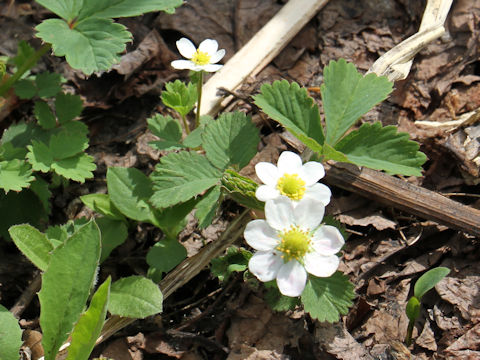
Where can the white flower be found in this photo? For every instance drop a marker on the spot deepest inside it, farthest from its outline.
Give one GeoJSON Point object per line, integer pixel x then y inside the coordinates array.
{"type": "Point", "coordinates": [292, 179]}
{"type": "Point", "coordinates": [204, 58]}
{"type": "Point", "coordinates": [290, 243]}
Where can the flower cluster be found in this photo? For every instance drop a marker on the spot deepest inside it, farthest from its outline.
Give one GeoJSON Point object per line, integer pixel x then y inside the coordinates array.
{"type": "Point", "coordinates": [291, 242]}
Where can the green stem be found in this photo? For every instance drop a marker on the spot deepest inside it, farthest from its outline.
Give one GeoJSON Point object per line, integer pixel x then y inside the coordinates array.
{"type": "Point", "coordinates": [199, 91]}
{"type": "Point", "coordinates": [185, 124]}
{"type": "Point", "coordinates": [408, 338]}
{"type": "Point", "coordinates": [27, 65]}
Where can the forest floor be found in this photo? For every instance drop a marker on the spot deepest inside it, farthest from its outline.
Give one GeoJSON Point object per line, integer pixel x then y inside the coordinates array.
{"type": "Point", "coordinates": [387, 250]}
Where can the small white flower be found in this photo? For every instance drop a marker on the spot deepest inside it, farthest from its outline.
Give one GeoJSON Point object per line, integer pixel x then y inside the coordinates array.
{"type": "Point", "coordinates": [292, 179]}
{"type": "Point", "coordinates": [204, 58]}
{"type": "Point", "coordinates": [290, 243]}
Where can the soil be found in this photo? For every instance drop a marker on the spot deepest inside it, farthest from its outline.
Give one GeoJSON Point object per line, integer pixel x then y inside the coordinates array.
{"type": "Point", "coordinates": [387, 249]}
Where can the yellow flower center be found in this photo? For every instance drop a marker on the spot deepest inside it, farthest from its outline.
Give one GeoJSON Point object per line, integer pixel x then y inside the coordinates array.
{"type": "Point", "coordinates": [201, 58]}
{"type": "Point", "coordinates": [294, 244]}
{"type": "Point", "coordinates": [291, 185]}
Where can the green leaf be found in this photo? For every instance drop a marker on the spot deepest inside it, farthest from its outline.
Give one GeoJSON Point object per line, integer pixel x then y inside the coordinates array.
{"type": "Point", "coordinates": [24, 53]}
{"type": "Point", "coordinates": [76, 168]}
{"type": "Point", "coordinates": [68, 107]}
{"type": "Point", "coordinates": [165, 254]}
{"type": "Point", "coordinates": [48, 84]}
{"type": "Point", "coordinates": [207, 207]}
{"type": "Point", "coordinates": [33, 244]}
{"type": "Point", "coordinates": [21, 134]}
{"type": "Point", "coordinates": [413, 309]}
{"type": "Point", "coordinates": [278, 301]}
{"type": "Point", "coordinates": [135, 297]}
{"type": "Point", "coordinates": [347, 95]}
{"type": "Point", "coordinates": [40, 188]}
{"type": "Point", "coordinates": [57, 235]}
{"type": "Point", "coordinates": [231, 140]}
{"type": "Point", "coordinates": [15, 175]}
{"type": "Point", "coordinates": [10, 152]}
{"type": "Point", "coordinates": [330, 153]}
{"type": "Point", "coordinates": [66, 285]}
{"type": "Point", "coordinates": [241, 189]}
{"type": "Point", "coordinates": [383, 148]}
{"type": "Point", "coordinates": [101, 203]}
{"type": "Point", "coordinates": [168, 129]}
{"type": "Point", "coordinates": [44, 115]}
{"type": "Point", "coordinates": [180, 97]}
{"type": "Point", "coordinates": [10, 335]}
{"type": "Point", "coordinates": [92, 45]}
{"type": "Point", "coordinates": [291, 106]}
{"type": "Point", "coordinates": [235, 260]}
{"type": "Point", "coordinates": [129, 190]}
{"type": "Point", "coordinates": [194, 139]}
{"type": "Point", "coordinates": [172, 220]}
{"type": "Point", "coordinates": [70, 140]}
{"type": "Point", "coordinates": [25, 89]}
{"type": "Point", "coordinates": [18, 208]}
{"type": "Point", "coordinates": [114, 233]}
{"type": "Point", "coordinates": [125, 8]}
{"type": "Point", "coordinates": [39, 156]}
{"type": "Point", "coordinates": [89, 327]}
{"type": "Point", "coordinates": [428, 280]}
{"type": "Point", "coordinates": [325, 299]}
{"type": "Point", "coordinates": [180, 176]}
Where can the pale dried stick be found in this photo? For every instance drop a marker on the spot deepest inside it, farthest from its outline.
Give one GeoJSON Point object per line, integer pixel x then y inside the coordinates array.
{"type": "Point", "coordinates": [396, 63]}
{"type": "Point", "coordinates": [259, 51]}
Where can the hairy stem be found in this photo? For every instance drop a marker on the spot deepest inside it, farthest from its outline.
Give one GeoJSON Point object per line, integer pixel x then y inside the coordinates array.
{"type": "Point", "coordinates": [199, 101]}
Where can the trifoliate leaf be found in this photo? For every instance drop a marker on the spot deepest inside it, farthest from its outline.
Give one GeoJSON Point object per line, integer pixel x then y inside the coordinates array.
{"type": "Point", "coordinates": [325, 299]}
{"type": "Point", "coordinates": [48, 84]}
{"type": "Point", "coordinates": [291, 106]}
{"type": "Point", "coordinates": [166, 254]}
{"type": "Point", "coordinates": [129, 190]}
{"type": "Point", "coordinates": [235, 260]}
{"type": "Point", "coordinates": [92, 45]}
{"type": "Point", "coordinates": [25, 89]}
{"type": "Point", "coordinates": [67, 107]}
{"type": "Point", "coordinates": [66, 286]}
{"type": "Point", "coordinates": [44, 115]}
{"type": "Point", "coordinates": [207, 207]}
{"type": "Point", "coordinates": [14, 175]}
{"type": "Point", "coordinates": [166, 128]}
{"type": "Point", "coordinates": [39, 156]}
{"type": "Point", "coordinates": [10, 335]}
{"type": "Point", "coordinates": [70, 140]}
{"type": "Point", "coordinates": [428, 280]}
{"type": "Point", "coordinates": [180, 97]}
{"type": "Point", "coordinates": [194, 139]}
{"type": "Point", "coordinates": [33, 244]}
{"type": "Point", "coordinates": [383, 148]}
{"type": "Point", "coordinates": [347, 95]}
{"type": "Point", "coordinates": [89, 326]}
{"type": "Point", "coordinates": [21, 134]}
{"type": "Point", "coordinates": [231, 140]}
{"type": "Point", "coordinates": [180, 176]}
{"type": "Point", "coordinates": [135, 297]}
{"type": "Point", "coordinates": [10, 152]}
{"type": "Point", "coordinates": [77, 168]}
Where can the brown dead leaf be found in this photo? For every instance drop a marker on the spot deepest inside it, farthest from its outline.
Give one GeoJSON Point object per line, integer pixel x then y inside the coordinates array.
{"type": "Point", "coordinates": [358, 218]}
{"type": "Point", "coordinates": [156, 343]}
{"type": "Point", "coordinates": [462, 288]}
{"type": "Point", "coordinates": [120, 350]}
{"type": "Point", "coordinates": [426, 339]}
{"type": "Point", "coordinates": [32, 340]}
{"type": "Point", "coordinates": [467, 346]}
{"type": "Point", "coordinates": [465, 145]}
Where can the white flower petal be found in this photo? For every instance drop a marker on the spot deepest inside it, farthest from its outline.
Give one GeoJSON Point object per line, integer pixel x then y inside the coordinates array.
{"type": "Point", "coordinates": [319, 192]}
{"type": "Point", "coordinates": [211, 67]}
{"type": "Point", "coordinates": [208, 46]}
{"type": "Point", "coordinates": [265, 265]}
{"type": "Point", "coordinates": [291, 279]}
{"type": "Point", "coordinates": [183, 64]}
{"type": "Point", "coordinates": [267, 173]}
{"type": "Point", "coordinates": [289, 163]}
{"type": "Point", "coordinates": [309, 213]}
{"type": "Point", "coordinates": [327, 240]}
{"type": "Point", "coordinates": [279, 213]}
{"type": "Point", "coordinates": [259, 235]}
{"type": "Point", "coordinates": [218, 56]}
{"type": "Point", "coordinates": [265, 192]}
{"type": "Point", "coordinates": [186, 48]}
{"type": "Point", "coordinates": [319, 265]}
{"type": "Point", "coordinates": [312, 171]}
